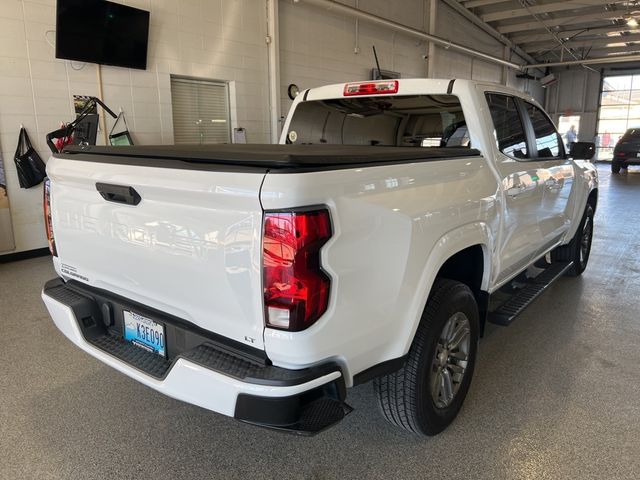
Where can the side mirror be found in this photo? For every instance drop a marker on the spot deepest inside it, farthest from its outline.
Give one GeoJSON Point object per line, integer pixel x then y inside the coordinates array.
{"type": "Point", "coordinates": [582, 150]}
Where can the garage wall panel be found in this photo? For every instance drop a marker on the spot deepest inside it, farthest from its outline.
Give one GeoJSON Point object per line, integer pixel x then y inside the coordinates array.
{"type": "Point", "coordinates": [318, 46]}
{"type": "Point", "coordinates": [486, 71]}
{"type": "Point", "coordinates": [532, 87]}
{"type": "Point", "coordinates": [451, 64]}
{"type": "Point", "coordinates": [213, 39]}
{"type": "Point", "coordinates": [577, 91]}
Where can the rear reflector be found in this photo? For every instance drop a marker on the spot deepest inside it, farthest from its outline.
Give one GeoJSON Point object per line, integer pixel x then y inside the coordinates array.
{"type": "Point", "coordinates": [296, 289]}
{"type": "Point", "coordinates": [48, 223]}
{"type": "Point", "coordinates": [371, 88]}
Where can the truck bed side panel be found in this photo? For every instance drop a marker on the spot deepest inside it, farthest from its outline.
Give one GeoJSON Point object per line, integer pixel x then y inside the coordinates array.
{"type": "Point", "coordinates": [389, 221]}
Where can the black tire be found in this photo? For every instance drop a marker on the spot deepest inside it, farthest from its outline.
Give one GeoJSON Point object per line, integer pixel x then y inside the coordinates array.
{"type": "Point", "coordinates": [578, 249]}
{"type": "Point", "coordinates": [405, 397]}
{"type": "Point", "coordinates": [615, 167]}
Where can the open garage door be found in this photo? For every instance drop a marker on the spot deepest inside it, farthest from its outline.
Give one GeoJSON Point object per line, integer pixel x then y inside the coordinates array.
{"type": "Point", "coordinates": [619, 111]}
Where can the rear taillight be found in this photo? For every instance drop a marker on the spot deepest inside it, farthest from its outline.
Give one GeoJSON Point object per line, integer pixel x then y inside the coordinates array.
{"type": "Point", "coordinates": [621, 154]}
{"type": "Point", "coordinates": [296, 289]}
{"type": "Point", "coordinates": [48, 224]}
{"type": "Point", "coordinates": [371, 88]}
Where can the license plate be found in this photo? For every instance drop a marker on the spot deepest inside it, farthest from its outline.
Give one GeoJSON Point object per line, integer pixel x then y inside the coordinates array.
{"type": "Point", "coordinates": [638, 155]}
{"type": "Point", "coordinates": [144, 333]}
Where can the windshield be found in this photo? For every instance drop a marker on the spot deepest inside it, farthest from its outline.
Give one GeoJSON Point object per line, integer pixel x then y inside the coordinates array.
{"type": "Point", "coordinates": [399, 121]}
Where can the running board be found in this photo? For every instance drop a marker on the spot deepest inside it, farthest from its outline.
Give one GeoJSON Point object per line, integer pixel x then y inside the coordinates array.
{"type": "Point", "coordinates": [508, 311]}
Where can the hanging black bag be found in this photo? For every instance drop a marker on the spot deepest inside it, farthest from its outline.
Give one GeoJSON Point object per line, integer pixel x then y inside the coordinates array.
{"type": "Point", "coordinates": [30, 167]}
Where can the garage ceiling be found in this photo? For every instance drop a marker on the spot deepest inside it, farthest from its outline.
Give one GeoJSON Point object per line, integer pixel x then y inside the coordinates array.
{"type": "Point", "coordinates": [551, 30]}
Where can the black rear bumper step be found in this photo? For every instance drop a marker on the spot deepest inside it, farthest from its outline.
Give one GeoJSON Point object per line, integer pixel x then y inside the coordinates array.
{"type": "Point", "coordinates": [308, 413]}
{"type": "Point", "coordinates": [99, 316]}
{"type": "Point", "coordinates": [508, 311]}
{"type": "Point", "coordinates": [150, 363]}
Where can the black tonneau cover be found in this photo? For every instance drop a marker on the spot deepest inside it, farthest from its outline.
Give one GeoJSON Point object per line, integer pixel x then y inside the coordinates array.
{"type": "Point", "coordinates": [285, 158]}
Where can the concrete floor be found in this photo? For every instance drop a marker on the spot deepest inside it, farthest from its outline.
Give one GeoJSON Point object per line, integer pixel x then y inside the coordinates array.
{"type": "Point", "coordinates": [555, 395]}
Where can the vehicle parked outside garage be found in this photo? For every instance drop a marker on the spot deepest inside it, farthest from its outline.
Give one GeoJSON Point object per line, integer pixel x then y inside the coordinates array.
{"type": "Point", "coordinates": [627, 150]}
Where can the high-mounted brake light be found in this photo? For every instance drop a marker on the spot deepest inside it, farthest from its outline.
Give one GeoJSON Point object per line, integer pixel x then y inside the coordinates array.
{"type": "Point", "coordinates": [48, 224]}
{"type": "Point", "coordinates": [371, 88]}
{"type": "Point", "coordinates": [296, 289]}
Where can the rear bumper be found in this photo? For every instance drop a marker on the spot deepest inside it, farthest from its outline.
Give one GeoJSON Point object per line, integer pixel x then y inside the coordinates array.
{"type": "Point", "coordinates": [201, 368]}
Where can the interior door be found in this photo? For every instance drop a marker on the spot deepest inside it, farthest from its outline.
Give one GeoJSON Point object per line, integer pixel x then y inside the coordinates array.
{"type": "Point", "coordinates": [557, 175]}
{"type": "Point", "coordinates": [523, 184]}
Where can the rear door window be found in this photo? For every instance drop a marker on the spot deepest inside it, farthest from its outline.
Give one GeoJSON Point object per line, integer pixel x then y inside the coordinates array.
{"type": "Point", "coordinates": [507, 124]}
{"type": "Point", "coordinates": [547, 138]}
{"type": "Point", "coordinates": [399, 120]}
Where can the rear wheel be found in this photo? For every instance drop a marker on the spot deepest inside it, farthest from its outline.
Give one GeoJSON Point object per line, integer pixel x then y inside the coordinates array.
{"type": "Point", "coordinates": [579, 249]}
{"type": "Point", "coordinates": [426, 394]}
{"type": "Point", "coordinates": [615, 167]}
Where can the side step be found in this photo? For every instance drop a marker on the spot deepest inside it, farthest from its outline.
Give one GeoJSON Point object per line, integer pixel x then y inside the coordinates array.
{"type": "Point", "coordinates": [508, 311]}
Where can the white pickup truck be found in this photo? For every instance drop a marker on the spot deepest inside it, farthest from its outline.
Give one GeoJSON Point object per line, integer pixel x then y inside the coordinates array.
{"type": "Point", "coordinates": [392, 222]}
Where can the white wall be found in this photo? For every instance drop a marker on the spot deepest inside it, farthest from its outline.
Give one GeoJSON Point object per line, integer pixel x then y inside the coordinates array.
{"type": "Point", "coordinates": [451, 64]}
{"type": "Point", "coordinates": [215, 39]}
{"type": "Point", "coordinates": [318, 46]}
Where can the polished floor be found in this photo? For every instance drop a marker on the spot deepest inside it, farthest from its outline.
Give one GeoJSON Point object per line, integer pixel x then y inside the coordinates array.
{"type": "Point", "coordinates": [556, 395]}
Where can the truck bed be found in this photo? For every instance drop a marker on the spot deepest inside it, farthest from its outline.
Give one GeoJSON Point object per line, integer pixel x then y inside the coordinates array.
{"type": "Point", "coordinates": [257, 157]}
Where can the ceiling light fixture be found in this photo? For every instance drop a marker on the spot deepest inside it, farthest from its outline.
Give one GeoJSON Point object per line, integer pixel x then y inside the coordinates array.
{"type": "Point", "coordinates": [631, 17]}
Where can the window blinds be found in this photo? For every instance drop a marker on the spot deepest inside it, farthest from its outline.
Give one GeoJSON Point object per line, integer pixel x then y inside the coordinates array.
{"type": "Point", "coordinates": [200, 111]}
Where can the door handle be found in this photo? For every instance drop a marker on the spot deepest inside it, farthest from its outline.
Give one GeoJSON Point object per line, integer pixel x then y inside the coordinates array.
{"type": "Point", "coordinates": [118, 193]}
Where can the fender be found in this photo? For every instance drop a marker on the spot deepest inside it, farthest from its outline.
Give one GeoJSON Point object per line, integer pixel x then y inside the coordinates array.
{"type": "Point", "coordinates": [586, 183]}
{"type": "Point", "coordinates": [451, 243]}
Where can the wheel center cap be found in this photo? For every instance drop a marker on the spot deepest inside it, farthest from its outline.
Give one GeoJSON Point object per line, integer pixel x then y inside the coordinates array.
{"type": "Point", "coordinates": [443, 357]}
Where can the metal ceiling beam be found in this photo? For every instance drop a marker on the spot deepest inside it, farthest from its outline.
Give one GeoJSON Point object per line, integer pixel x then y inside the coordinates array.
{"type": "Point", "coordinates": [482, 3]}
{"type": "Point", "coordinates": [591, 61]}
{"type": "Point", "coordinates": [613, 52]}
{"type": "Point", "coordinates": [543, 40]}
{"type": "Point", "coordinates": [601, 52]}
{"type": "Point", "coordinates": [336, 7]}
{"type": "Point", "coordinates": [473, 18]}
{"type": "Point", "coordinates": [539, 9]}
{"type": "Point", "coordinates": [585, 43]}
{"type": "Point", "coordinates": [554, 22]}
{"type": "Point", "coordinates": [551, 32]}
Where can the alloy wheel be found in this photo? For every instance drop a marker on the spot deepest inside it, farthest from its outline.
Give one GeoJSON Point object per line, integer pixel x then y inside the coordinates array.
{"type": "Point", "coordinates": [450, 361]}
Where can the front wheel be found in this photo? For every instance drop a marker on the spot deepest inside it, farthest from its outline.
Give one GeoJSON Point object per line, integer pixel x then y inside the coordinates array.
{"type": "Point", "coordinates": [579, 249]}
{"type": "Point", "coordinates": [426, 394]}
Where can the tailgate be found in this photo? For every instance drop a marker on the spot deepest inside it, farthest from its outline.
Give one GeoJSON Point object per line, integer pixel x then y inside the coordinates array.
{"type": "Point", "coordinates": [191, 247]}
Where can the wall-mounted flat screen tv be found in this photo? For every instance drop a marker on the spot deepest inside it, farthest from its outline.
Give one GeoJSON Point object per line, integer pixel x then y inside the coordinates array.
{"type": "Point", "coordinates": [98, 31]}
